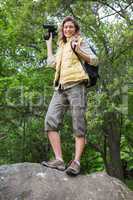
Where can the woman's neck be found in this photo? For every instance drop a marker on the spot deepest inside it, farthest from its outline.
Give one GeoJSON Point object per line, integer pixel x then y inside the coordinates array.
{"type": "Point", "coordinates": [69, 38]}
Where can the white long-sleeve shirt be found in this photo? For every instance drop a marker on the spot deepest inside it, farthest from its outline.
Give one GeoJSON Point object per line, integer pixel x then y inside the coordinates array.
{"type": "Point", "coordinates": [84, 47]}
{"type": "Point", "coordinates": [86, 50]}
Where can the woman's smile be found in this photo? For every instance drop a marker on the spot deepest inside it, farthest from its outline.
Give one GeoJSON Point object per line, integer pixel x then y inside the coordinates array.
{"type": "Point", "coordinates": [69, 29]}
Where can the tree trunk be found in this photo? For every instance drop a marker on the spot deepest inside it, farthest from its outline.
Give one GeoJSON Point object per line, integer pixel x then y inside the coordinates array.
{"type": "Point", "coordinates": [113, 136]}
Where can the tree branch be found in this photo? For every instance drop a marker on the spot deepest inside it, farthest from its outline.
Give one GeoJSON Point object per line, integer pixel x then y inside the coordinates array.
{"type": "Point", "coordinates": [120, 12]}
{"type": "Point", "coordinates": [107, 16]}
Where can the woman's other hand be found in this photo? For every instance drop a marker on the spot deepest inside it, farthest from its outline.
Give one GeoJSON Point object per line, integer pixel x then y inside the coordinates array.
{"type": "Point", "coordinates": [74, 42]}
{"type": "Point", "coordinates": [49, 41]}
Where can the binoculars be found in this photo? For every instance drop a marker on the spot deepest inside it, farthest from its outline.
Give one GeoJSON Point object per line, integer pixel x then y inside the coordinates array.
{"type": "Point", "coordinates": [49, 29]}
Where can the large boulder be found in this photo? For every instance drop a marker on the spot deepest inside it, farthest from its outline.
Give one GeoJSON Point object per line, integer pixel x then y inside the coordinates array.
{"type": "Point", "coordinates": [31, 181]}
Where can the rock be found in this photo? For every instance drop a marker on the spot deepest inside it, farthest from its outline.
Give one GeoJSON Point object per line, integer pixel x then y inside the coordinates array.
{"type": "Point", "coordinates": [31, 181]}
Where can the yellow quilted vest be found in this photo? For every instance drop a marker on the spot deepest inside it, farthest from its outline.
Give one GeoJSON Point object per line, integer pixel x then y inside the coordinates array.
{"type": "Point", "coordinates": [68, 66]}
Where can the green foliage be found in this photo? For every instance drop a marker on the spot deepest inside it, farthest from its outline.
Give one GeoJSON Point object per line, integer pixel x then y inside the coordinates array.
{"type": "Point", "coordinates": [129, 183]}
{"type": "Point", "coordinates": [26, 85]}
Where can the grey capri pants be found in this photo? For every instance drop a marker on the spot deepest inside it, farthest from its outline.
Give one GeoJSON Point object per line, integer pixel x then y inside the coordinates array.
{"type": "Point", "coordinates": [74, 98]}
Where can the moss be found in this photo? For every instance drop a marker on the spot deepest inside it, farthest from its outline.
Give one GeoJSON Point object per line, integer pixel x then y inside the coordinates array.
{"type": "Point", "coordinates": [129, 183]}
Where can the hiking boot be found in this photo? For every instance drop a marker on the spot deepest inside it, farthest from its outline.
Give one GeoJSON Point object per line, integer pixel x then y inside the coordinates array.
{"type": "Point", "coordinates": [55, 164]}
{"type": "Point", "coordinates": [73, 168]}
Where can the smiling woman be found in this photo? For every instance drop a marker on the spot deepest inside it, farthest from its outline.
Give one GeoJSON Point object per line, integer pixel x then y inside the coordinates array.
{"type": "Point", "coordinates": [70, 91]}
{"type": "Point", "coordinates": [69, 29]}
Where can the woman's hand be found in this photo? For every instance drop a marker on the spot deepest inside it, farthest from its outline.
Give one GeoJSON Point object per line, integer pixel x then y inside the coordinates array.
{"type": "Point", "coordinates": [49, 46]}
{"type": "Point", "coordinates": [49, 41]}
{"type": "Point", "coordinates": [74, 42]}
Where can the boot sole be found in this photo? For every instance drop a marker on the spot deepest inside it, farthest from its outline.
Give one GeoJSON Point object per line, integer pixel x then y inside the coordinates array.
{"type": "Point", "coordinates": [72, 173]}
{"type": "Point", "coordinates": [53, 167]}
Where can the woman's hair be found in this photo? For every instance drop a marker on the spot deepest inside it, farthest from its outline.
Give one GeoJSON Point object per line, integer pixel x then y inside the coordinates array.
{"type": "Point", "coordinates": [61, 36]}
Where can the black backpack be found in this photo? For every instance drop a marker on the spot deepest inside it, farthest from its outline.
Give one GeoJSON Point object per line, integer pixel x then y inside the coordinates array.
{"type": "Point", "coordinates": [91, 70]}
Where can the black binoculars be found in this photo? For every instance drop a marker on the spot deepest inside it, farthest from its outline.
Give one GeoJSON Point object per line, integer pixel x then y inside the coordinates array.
{"type": "Point", "coordinates": [49, 29]}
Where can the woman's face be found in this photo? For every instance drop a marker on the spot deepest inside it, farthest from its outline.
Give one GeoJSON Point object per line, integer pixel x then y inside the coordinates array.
{"type": "Point", "coordinates": [69, 29]}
